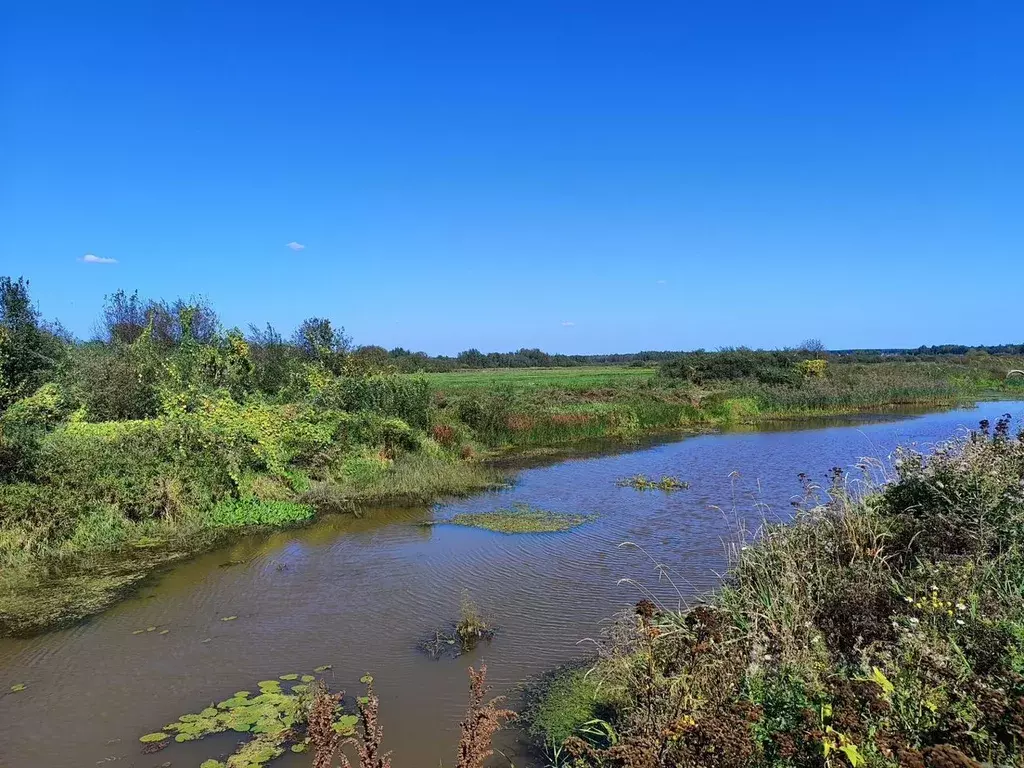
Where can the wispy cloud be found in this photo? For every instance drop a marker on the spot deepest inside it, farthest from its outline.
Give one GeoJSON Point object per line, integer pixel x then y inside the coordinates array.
{"type": "Point", "coordinates": [296, 246]}
{"type": "Point", "coordinates": [91, 258]}
{"type": "Point", "coordinates": [568, 323]}
{"type": "Point", "coordinates": [662, 282]}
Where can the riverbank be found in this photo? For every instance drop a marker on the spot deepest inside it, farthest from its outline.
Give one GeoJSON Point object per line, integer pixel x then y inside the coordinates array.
{"type": "Point", "coordinates": [107, 556]}
{"type": "Point", "coordinates": [51, 588]}
{"type": "Point", "coordinates": [878, 630]}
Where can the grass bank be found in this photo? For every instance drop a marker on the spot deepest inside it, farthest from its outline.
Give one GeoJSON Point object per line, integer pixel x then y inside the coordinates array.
{"type": "Point", "coordinates": [875, 630]}
{"type": "Point", "coordinates": [538, 409]}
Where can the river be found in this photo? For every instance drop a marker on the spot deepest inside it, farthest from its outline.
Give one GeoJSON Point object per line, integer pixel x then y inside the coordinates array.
{"type": "Point", "coordinates": [360, 594]}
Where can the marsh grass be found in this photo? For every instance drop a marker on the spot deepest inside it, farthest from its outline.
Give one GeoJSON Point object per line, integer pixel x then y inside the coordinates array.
{"type": "Point", "coordinates": [519, 518]}
{"type": "Point", "coordinates": [876, 629]}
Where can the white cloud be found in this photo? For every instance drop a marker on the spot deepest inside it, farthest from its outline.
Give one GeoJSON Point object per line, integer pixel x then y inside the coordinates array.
{"type": "Point", "coordinates": [90, 258]}
{"type": "Point", "coordinates": [296, 246]}
{"type": "Point", "coordinates": [568, 323]}
{"type": "Point", "coordinates": [662, 282]}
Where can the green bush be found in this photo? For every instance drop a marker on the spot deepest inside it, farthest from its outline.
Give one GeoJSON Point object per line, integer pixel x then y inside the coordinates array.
{"type": "Point", "coordinates": [403, 397]}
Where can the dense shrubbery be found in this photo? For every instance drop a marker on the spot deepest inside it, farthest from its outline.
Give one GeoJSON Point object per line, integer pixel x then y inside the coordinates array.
{"type": "Point", "coordinates": [167, 425]}
{"type": "Point", "coordinates": [772, 367]}
{"type": "Point", "coordinates": [877, 631]}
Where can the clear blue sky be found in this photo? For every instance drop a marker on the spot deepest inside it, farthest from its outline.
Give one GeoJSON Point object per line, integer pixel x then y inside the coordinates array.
{"type": "Point", "coordinates": [579, 176]}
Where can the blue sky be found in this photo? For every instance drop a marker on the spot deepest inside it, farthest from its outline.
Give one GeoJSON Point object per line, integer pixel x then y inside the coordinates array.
{"type": "Point", "coordinates": [578, 176]}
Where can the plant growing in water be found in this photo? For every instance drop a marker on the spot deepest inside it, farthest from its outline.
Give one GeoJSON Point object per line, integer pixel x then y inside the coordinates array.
{"type": "Point", "coordinates": [482, 721]}
{"type": "Point", "coordinates": [471, 627]}
{"type": "Point", "coordinates": [519, 518]}
{"type": "Point", "coordinates": [643, 483]}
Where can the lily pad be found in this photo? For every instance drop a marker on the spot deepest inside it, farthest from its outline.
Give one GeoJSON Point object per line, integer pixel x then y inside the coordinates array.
{"type": "Point", "coordinates": [163, 631]}
{"type": "Point", "coordinates": [18, 687]}
{"type": "Point", "coordinates": [151, 629]}
{"type": "Point", "coordinates": [290, 676]}
{"type": "Point", "coordinates": [308, 678]}
{"type": "Point", "coordinates": [228, 618]}
{"type": "Point", "coordinates": [366, 679]}
{"type": "Point", "coordinates": [345, 725]}
{"type": "Point", "coordinates": [149, 738]}
{"type": "Point", "coordinates": [300, 747]}
{"type": "Point", "coordinates": [138, 631]}
{"type": "Point", "coordinates": [300, 688]}
{"type": "Point", "coordinates": [323, 668]}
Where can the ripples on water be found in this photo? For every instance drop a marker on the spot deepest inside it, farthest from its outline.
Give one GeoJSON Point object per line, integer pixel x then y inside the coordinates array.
{"type": "Point", "coordinates": [360, 594]}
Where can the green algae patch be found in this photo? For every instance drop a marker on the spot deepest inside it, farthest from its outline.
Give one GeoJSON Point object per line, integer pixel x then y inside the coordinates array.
{"type": "Point", "coordinates": [519, 518]}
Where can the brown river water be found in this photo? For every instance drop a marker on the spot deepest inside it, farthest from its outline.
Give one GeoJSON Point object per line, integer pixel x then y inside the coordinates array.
{"type": "Point", "coordinates": [361, 593]}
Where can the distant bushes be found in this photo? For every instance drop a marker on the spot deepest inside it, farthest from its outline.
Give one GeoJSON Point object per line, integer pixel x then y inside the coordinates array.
{"type": "Point", "coordinates": [772, 367]}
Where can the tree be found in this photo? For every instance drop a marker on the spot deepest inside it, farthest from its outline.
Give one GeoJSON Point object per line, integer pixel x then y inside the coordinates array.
{"type": "Point", "coordinates": [30, 350]}
{"type": "Point", "coordinates": [814, 347]}
{"type": "Point", "coordinates": [318, 341]}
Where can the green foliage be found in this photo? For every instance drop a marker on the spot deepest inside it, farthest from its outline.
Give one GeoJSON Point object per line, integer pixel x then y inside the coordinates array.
{"type": "Point", "coordinates": [564, 704]}
{"type": "Point", "coordinates": [403, 397]}
{"type": "Point", "coordinates": [235, 513]}
{"type": "Point", "coordinates": [30, 351]}
{"type": "Point", "coordinates": [773, 367]}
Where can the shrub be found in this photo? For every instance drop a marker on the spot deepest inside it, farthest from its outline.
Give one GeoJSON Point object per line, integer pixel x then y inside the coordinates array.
{"type": "Point", "coordinates": [403, 397]}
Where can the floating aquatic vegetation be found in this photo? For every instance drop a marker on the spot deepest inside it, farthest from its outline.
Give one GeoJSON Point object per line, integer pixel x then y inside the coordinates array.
{"type": "Point", "coordinates": [323, 668]}
{"type": "Point", "coordinates": [519, 518]}
{"type": "Point", "coordinates": [644, 483]}
{"type": "Point", "coordinates": [275, 718]}
{"type": "Point", "coordinates": [163, 631]}
{"type": "Point", "coordinates": [228, 618]}
{"type": "Point", "coordinates": [18, 687]}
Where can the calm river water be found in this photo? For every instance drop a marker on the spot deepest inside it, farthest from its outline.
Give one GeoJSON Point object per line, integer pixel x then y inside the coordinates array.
{"type": "Point", "coordinates": [360, 593]}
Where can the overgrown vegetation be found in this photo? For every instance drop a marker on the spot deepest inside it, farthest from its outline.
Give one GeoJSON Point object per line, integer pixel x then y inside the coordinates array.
{"type": "Point", "coordinates": [537, 408]}
{"type": "Point", "coordinates": [167, 430]}
{"type": "Point", "coordinates": [127, 452]}
{"type": "Point", "coordinates": [878, 630]}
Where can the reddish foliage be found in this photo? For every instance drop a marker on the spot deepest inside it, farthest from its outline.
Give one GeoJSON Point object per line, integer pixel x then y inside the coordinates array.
{"type": "Point", "coordinates": [443, 434]}
{"type": "Point", "coordinates": [520, 423]}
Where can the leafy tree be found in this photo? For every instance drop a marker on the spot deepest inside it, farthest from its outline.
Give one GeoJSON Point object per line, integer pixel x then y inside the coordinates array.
{"type": "Point", "coordinates": [30, 350]}
{"type": "Point", "coordinates": [319, 341]}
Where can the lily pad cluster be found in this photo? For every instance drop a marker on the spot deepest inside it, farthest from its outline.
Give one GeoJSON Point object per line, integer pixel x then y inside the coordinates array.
{"type": "Point", "coordinates": [274, 716]}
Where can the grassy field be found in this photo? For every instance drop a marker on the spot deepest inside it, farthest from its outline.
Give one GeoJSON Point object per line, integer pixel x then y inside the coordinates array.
{"type": "Point", "coordinates": [587, 377]}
